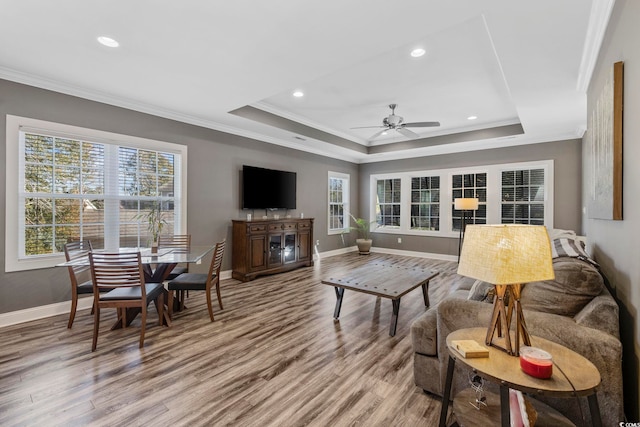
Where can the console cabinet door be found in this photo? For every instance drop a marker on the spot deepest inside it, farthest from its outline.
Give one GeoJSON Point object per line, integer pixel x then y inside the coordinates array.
{"type": "Point", "coordinates": [257, 252]}
{"type": "Point", "coordinates": [304, 245]}
{"type": "Point", "coordinates": [275, 250]}
{"type": "Point", "coordinates": [289, 254]}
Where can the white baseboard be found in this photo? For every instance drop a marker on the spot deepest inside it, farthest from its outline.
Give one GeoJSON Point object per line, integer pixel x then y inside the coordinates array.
{"type": "Point", "coordinates": [416, 254]}
{"type": "Point", "coordinates": [389, 251]}
{"type": "Point", "coordinates": [327, 254]}
{"type": "Point", "coordinates": [35, 313]}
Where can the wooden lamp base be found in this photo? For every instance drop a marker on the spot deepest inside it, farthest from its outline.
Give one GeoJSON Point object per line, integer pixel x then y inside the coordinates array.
{"type": "Point", "coordinates": [501, 320]}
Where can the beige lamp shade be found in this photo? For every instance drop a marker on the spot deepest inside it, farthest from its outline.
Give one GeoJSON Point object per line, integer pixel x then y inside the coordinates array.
{"type": "Point", "coordinates": [466, 203]}
{"type": "Point", "coordinates": [506, 254]}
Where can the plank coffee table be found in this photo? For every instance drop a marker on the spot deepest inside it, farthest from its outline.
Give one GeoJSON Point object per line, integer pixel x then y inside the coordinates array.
{"type": "Point", "coordinates": [382, 280]}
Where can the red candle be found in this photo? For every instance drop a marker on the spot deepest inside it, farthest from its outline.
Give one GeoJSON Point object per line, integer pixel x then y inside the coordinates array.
{"type": "Point", "coordinates": [536, 362]}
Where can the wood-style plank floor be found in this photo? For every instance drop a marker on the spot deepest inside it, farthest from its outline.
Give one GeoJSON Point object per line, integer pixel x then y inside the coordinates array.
{"type": "Point", "coordinates": [273, 357]}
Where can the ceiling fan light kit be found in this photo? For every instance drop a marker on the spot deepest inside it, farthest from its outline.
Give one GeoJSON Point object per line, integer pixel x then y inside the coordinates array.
{"type": "Point", "coordinates": [394, 122]}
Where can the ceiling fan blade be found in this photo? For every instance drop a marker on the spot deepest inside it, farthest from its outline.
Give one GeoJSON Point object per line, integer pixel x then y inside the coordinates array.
{"type": "Point", "coordinates": [377, 134]}
{"type": "Point", "coordinates": [421, 124]}
{"type": "Point", "coordinates": [407, 133]}
{"type": "Point", "coordinates": [368, 127]}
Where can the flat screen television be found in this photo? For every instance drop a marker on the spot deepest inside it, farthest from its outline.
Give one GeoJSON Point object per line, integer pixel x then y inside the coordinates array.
{"type": "Point", "coordinates": [268, 188]}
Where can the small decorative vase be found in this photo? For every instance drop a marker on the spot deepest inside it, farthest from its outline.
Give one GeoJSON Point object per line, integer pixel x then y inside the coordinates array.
{"type": "Point", "coordinates": [364, 246]}
{"type": "Point", "coordinates": [154, 247]}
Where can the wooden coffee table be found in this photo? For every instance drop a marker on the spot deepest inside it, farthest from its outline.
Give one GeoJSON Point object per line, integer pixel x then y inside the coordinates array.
{"type": "Point", "coordinates": [382, 280]}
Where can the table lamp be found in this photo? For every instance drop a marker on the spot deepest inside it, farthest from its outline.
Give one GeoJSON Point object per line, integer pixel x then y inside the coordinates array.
{"type": "Point", "coordinates": [507, 256]}
{"type": "Point", "coordinates": [464, 204]}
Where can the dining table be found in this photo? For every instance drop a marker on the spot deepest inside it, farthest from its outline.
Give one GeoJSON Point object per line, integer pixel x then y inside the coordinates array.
{"type": "Point", "coordinates": [156, 265]}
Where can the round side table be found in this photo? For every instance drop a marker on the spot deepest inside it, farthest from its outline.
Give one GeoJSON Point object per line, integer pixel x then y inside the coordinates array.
{"type": "Point", "coordinates": [573, 375]}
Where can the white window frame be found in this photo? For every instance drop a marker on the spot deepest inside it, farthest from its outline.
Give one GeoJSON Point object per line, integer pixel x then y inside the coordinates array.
{"type": "Point", "coordinates": [404, 193]}
{"type": "Point", "coordinates": [346, 182]}
{"type": "Point", "coordinates": [548, 176]}
{"type": "Point", "coordinates": [15, 124]}
{"type": "Point", "coordinates": [466, 171]}
{"type": "Point", "coordinates": [411, 203]}
{"type": "Point", "coordinates": [494, 191]}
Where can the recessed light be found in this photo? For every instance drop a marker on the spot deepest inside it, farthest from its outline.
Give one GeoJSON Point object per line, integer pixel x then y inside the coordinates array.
{"type": "Point", "coordinates": [108, 41]}
{"type": "Point", "coordinates": [417, 53]}
{"type": "Point", "coordinates": [298, 94]}
{"type": "Point", "coordinates": [384, 133]}
{"type": "Point", "coordinates": [472, 117]}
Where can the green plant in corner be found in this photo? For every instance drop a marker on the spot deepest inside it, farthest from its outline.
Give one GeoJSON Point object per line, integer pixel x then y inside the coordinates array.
{"type": "Point", "coordinates": [363, 228]}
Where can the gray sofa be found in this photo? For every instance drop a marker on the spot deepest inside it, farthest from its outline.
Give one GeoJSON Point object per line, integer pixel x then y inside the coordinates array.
{"type": "Point", "coordinates": [575, 310]}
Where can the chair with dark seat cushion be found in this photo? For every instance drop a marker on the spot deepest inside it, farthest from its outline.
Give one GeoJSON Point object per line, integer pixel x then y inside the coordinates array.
{"type": "Point", "coordinates": [199, 281]}
{"type": "Point", "coordinates": [80, 274]}
{"type": "Point", "coordinates": [122, 273]}
{"type": "Point", "coordinates": [177, 242]}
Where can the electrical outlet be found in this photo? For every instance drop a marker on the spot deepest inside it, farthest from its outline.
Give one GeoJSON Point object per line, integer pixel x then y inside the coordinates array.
{"type": "Point", "coordinates": [317, 242]}
{"type": "Point", "coordinates": [399, 239]}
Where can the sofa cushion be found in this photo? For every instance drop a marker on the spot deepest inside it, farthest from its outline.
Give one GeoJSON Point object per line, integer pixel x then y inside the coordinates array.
{"type": "Point", "coordinates": [576, 283]}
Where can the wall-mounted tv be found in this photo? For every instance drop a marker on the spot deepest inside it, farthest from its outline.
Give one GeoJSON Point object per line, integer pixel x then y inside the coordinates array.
{"type": "Point", "coordinates": [268, 188]}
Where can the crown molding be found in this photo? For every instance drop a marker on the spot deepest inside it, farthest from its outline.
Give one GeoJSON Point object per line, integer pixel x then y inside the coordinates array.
{"type": "Point", "coordinates": [339, 153]}
{"type": "Point", "coordinates": [597, 28]}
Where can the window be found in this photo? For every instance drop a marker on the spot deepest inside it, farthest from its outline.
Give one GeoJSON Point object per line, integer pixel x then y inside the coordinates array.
{"type": "Point", "coordinates": [388, 203]}
{"type": "Point", "coordinates": [425, 203]}
{"type": "Point", "coordinates": [523, 196]}
{"type": "Point", "coordinates": [72, 183]}
{"type": "Point", "coordinates": [422, 202]}
{"type": "Point", "coordinates": [469, 185]}
{"type": "Point", "coordinates": [338, 202]}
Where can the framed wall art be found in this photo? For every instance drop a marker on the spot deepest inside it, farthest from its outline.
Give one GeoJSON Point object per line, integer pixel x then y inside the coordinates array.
{"type": "Point", "coordinates": [604, 137]}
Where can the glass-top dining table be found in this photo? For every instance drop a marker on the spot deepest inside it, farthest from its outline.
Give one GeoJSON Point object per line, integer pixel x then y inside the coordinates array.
{"type": "Point", "coordinates": [164, 260]}
{"type": "Point", "coordinates": [156, 266]}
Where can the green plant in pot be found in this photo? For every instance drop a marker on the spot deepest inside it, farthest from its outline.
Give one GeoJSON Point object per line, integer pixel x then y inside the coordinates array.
{"type": "Point", "coordinates": [155, 223]}
{"type": "Point", "coordinates": [363, 227]}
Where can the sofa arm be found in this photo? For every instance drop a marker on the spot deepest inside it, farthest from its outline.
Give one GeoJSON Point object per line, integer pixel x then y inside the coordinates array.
{"type": "Point", "coordinates": [602, 349]}
{"type": "Point", "coordinates": [601, 313]}
{"type": "Point", "coordinates": [423, 333]}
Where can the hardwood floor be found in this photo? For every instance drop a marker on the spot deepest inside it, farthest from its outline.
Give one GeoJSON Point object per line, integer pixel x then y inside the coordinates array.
{"type": "Point", "coordinates": [273, 357]}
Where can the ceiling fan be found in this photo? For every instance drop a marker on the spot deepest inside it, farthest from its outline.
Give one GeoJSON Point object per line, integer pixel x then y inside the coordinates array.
{"type": "Point", "coordinates": [393, 122]}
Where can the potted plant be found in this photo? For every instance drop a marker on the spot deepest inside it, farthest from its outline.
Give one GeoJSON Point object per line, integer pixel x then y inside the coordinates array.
{"type": "Point", "coordinates": [363, 227]}
{"type": "Point", "coordinates": [155, 223]}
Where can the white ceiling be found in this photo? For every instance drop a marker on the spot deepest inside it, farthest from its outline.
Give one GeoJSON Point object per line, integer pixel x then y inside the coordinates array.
{"type": "Point", "coordinates": [508, 62]}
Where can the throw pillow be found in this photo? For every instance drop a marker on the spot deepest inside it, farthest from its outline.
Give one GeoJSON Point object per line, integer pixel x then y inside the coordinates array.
{"type": "Point", "coordinates": [481, 291]}
{"type": "Point", "coordinates": [556, 233]}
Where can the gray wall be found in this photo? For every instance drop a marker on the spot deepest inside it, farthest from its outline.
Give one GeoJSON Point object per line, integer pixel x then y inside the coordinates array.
{"type": "Point", "coordinates": [615, 244]}
{"type": "Point", "coordinates": [567, 178]}
{"type": "Point", "coordinates": [214, 162]}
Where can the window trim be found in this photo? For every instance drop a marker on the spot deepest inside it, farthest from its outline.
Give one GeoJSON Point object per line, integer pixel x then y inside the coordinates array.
{"type": "Point", "coordinates": [16, 124]}
{"type": "Point", "coordinates": [494, 174]}
{"type": "Point", "coordinates": [345, 204]}
{"type": "Point", "coordinates": [465, 171]}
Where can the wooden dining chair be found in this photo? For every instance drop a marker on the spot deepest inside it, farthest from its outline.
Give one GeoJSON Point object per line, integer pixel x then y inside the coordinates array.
{"type": "Point", "coordinates": [80, 274]}
{"type": "Point", "coordinates": [199, 281]}
{"type": "Point", "coordinates": [178, 242]}
{"type": "Point", "coordinates": [122, 274]}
